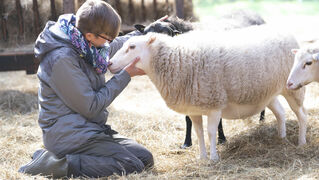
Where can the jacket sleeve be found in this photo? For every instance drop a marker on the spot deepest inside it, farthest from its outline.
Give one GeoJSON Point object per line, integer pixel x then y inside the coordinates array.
{"type": "Point", "coordinates": [118, 42]}
{"type": "Point", "coordinates": [72, 85]}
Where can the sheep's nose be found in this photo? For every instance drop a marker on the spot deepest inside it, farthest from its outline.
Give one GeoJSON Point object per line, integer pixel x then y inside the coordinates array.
{"type": "Point", "coordinates": [289, 84]}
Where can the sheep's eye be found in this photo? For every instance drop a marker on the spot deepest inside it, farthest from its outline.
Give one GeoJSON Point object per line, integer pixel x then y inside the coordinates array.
{"type": "Point", "coordinates": [308, 63]}
{"type": "Point", "coordinates": [132, 46]}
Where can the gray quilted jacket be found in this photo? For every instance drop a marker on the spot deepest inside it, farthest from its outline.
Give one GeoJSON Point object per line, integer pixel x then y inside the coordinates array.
{"type": "Point", "coordinates": [72, 97]}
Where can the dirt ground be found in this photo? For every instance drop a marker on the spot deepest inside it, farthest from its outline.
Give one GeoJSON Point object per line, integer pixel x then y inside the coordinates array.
{"type": "Point", "coordinates": [253, 149]}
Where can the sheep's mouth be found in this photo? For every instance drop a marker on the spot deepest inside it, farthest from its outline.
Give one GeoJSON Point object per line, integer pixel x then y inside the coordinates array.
{"type": "Point", "coordinates": [114, 69]}
{"type": "Point", "coordinates": [297, 87]}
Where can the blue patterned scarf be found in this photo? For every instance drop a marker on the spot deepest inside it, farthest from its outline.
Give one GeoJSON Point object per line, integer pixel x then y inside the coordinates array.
{"type": "Point", "coordinates": [98, 58]}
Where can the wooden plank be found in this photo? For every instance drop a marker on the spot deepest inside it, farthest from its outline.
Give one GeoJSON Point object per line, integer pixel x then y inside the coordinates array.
{"type": "Point", "coordinates": [36, 17]}
{"type": "Point", "coordinates": [68, 6]}
{"type": "Point", "coordinates": [15, 53]}
{"type": "Point", "coordinates": [19, 61]}
{"type": "Point", "coordinates": [179, 4]}
{"type": "Point", "coordinates": [20, 18]}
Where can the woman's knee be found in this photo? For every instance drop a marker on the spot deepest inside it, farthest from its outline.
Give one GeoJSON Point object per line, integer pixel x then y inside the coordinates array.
{"type": "Point", "coordinates": [147, 159]}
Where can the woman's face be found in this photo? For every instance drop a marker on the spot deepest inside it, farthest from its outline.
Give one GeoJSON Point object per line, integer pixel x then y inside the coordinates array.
{"type": "Point", "coordinates": [98, 40]}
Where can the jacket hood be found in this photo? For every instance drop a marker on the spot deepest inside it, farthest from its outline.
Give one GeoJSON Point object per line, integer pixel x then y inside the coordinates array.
{"type": "Point", "coordinates": [49, 39]}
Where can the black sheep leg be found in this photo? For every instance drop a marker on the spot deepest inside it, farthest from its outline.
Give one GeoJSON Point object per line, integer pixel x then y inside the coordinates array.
{"type": "Point", "coordinates": [221, 136]}
{"type": "Point", "coordinates": [262, 116]}
{"type": "Point", "coordinates": [188, 137]}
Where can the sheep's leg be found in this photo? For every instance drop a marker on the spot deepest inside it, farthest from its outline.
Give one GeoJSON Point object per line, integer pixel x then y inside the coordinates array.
{"type": "Point", "coordinates": [198, 126]}
{"type": "Point", "coordinates": [262, 116]}
{"type": "Point", "coordinates": [295, 101]}
{"type": "Point", "coordinates": [188, 137]}
{"type": "Point", "coordinates": [212, 126]}
{"type": "Point", "coordinates": [276, 107]}
{"type": "Point", "coordinates": [221, 136]}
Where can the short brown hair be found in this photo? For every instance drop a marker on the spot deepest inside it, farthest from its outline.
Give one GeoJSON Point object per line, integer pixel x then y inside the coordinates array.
{"type": "Point", "coordinates": [97, 16]}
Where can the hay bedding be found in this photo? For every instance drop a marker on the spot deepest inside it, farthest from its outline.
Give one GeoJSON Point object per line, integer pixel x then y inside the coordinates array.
{"type": "Point", "coordinates": [18, 102]}
{"type": "Point", "coordinates": [253, 150]}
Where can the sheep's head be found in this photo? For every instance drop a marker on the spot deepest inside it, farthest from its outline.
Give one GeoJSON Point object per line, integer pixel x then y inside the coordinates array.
{"type": "Point", "coordinates": [305, 69]}
{"type": "Point", "coordinates": [138, 46]}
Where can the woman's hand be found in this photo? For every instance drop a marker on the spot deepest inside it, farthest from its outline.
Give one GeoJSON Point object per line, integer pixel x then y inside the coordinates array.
{"type": "Point", "coordinates": [132, 70]}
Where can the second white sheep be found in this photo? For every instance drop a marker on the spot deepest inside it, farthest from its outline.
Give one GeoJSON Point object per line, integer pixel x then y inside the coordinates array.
{"type": "Point", "coordinates": [306, 67]}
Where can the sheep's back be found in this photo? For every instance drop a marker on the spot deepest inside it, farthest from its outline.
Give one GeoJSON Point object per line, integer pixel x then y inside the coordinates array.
{"type": "Point", "coordinates": [257, 64]}
{"type": "Point", "coordinates": [208, 71]}
{"type": "Point", "coordinates": [180, 75]}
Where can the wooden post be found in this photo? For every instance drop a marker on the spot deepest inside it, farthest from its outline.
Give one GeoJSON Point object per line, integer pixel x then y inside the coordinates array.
{"type": "Point", "coordinates": [118, 7]}
{"type": "Point", "coordinates": [53, 16]}
{"type": "Point", "coordinates": [78, 3]}
{"type": "Point", "coordinates": [36, 17]}
{"type": "Point", "coordinates": [20, 18]}
{"type": "Point", "coordinates": [68, 6]}
{"type": "Point", "coordinates": [4, 30]}
{"type": "Point", "coordinates": [131, 11]}
{"type": "Point", "coordinates": [191, 8]}
{"type": "Point", "coordinates": [179, 4]}
{"type": "Point", "coordinates": [155, 9]}
{"type": "Point", "coordinates": [143, 11]}
{"type": "Point", "coordinates": [167, 7]}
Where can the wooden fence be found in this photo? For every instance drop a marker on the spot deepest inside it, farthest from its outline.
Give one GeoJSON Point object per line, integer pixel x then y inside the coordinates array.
{"type": "Point", "coordinates": [11, 60]}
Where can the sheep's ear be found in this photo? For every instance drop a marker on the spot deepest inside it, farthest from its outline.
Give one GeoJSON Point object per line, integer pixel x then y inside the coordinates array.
{"type": "Point", "coordinates": [294, 51]}
{"type": "Point", "coordinates": [315, 57]}
{"type": "Point", "coordinates": [151, 40]}
{"type": "Point", "coordinates": [139, 27]}
{"type": "Point", "coordinates": [121, 33]}
{"type": "Point", "coordinates": [163, 18]}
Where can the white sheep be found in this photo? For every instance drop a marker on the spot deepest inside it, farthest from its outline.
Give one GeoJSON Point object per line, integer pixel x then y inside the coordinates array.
{"type": "Point", "coordinates": [232, 75]}
{"type": "Point", "coordinates": [306, 67]}
{"type": "Point", "coordinates": [173, 26]}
